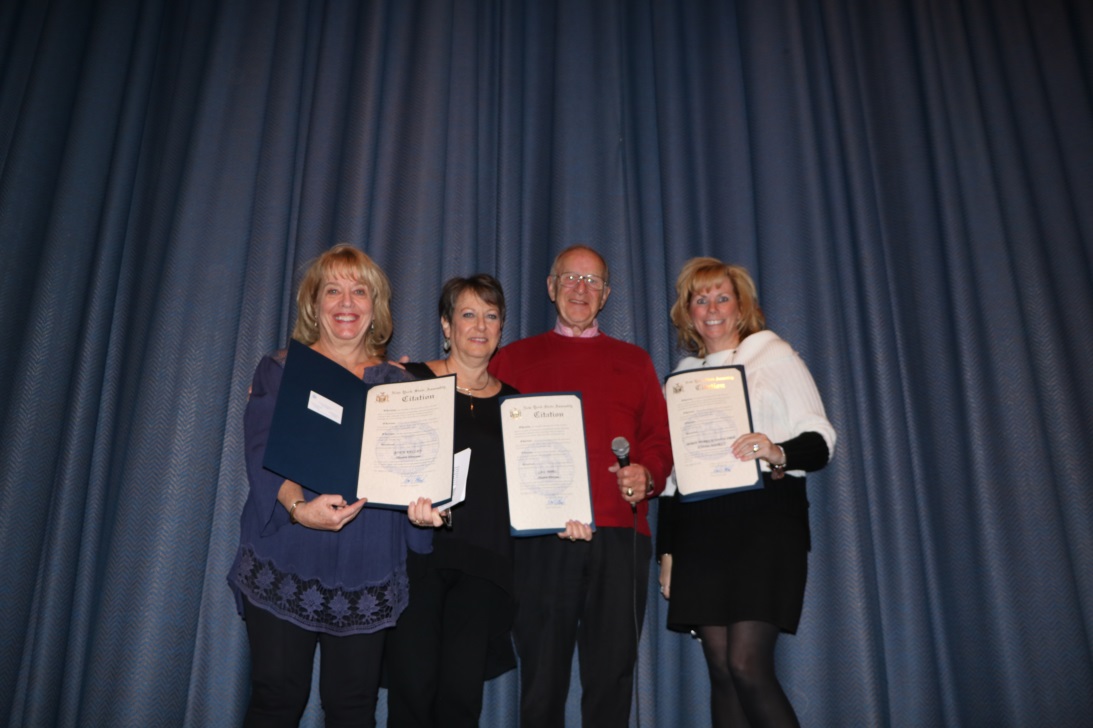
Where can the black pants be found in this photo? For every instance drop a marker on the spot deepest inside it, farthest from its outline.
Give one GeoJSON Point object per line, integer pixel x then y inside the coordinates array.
{"type": "Point", "coordinates": [437, 655]}
{"type": "Point", "coordinates": [584, 594]}
{"type": "Point", "coordinates": [282, 655]}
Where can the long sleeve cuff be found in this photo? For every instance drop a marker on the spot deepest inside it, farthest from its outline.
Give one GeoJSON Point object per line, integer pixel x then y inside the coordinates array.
{"type": "Point", "coordinates": [808, 451]}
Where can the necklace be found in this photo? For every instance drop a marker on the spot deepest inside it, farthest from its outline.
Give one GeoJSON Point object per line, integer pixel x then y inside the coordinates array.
{"type": "Point", "coordinates": [466, 390]}
{"type": "Point", "coordinates": [731, 359]}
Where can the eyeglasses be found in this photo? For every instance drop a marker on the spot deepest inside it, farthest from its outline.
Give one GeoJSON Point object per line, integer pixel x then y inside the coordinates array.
{"type": "Point", "coordinates": [570, 280]}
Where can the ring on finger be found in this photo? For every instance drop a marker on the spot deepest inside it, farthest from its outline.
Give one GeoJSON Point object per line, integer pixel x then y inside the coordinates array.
{"type": "Point", "coordinates": [629, 492]}
{"type": "Point", "coordinates": [755, 447]}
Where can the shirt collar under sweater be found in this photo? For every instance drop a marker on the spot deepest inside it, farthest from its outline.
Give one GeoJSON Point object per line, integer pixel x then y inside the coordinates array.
{"type": "Point", "coordinates": [563, 330]}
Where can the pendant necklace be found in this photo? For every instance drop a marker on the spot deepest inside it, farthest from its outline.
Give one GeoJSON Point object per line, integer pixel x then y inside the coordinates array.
{"type": "Point", "coordinates": [466, 390]}
{"type": "Point", "coordinates": [729, 361]}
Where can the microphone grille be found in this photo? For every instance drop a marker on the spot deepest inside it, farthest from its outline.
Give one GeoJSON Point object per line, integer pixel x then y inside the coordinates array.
{"type": "Point", "coordinates": [620, 446]}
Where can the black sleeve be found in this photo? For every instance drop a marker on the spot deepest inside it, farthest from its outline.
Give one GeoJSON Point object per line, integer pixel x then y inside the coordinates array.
{"type": "Point", "coordinates": [419, 370]}
{"type": "Point", "coordinates": [808, 451]}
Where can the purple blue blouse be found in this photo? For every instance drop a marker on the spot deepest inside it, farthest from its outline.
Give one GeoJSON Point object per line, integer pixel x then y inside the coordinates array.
{"type": "Point", "coordinates": [352, 581]}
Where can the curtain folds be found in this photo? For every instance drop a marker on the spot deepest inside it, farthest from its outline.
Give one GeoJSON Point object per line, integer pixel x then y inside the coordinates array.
{"type": "Point", "coordinates": [907, 181]}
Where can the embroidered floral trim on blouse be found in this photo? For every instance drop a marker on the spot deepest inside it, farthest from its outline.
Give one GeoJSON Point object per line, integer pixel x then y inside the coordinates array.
{"type": "Point", "coordinates": [312, 605]}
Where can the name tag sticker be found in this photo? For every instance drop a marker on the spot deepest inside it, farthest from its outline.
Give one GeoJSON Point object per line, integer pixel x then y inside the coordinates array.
{"type": "Point", "coordinates": [328, 408]}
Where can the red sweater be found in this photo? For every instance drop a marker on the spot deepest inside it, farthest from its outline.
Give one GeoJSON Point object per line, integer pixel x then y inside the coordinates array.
{"type": "Point", "coordinates": [620, 396]}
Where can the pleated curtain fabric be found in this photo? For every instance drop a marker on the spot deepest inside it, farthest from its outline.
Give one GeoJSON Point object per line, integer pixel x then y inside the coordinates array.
{"type": "Point", "coordinates": [907, 181]}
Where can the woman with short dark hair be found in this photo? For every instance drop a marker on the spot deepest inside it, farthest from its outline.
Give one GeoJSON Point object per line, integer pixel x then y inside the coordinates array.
{"type": "Point", "coordinates": [454, 635]}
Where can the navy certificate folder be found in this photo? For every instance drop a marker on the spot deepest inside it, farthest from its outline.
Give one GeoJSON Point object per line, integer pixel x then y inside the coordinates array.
{"type": "Point", "coordinates": [306, 444]}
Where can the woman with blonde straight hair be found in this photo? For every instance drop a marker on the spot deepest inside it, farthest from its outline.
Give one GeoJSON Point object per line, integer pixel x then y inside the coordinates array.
{"type": "Point", "coordinates": [733, 567]}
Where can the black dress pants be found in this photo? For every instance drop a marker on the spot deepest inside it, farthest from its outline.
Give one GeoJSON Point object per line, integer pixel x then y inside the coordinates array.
{"type": "Point", "coordinates": [588, 594]}
{"type": "Point", "coordinates": [282, 655]}
{"type": "Point", "coordinates": [438, 654]}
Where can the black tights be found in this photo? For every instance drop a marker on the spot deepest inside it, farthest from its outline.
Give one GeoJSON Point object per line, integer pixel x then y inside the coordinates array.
{"type": "Point", "coordinates": [744, 690]}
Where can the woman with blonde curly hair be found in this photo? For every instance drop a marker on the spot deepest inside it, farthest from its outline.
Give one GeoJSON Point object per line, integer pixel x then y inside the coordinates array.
{"type": "Point", "coordinates": [313, 569]}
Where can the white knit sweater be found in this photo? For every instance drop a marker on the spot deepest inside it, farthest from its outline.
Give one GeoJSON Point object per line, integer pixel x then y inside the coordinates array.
{"type": "Point", "coordinates": [784, 399]}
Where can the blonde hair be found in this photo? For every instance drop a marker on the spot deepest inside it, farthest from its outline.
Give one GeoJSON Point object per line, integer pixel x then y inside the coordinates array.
{"type": "Point", "coordinates": [344, 259]}
{"type": "Point", "coordinates": [700, 274]}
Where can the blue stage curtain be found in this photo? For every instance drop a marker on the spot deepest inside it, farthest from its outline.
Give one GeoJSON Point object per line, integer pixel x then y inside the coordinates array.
{"type": "Point", "coordinates": [909, 182]}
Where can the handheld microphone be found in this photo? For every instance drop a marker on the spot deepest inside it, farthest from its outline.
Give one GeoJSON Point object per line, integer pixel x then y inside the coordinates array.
{"type": "Point", "coordinates": [621, 447]}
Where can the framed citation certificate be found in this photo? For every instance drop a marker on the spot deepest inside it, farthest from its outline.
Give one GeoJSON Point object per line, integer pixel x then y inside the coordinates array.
{"type": "Point", "coordinates": [546, 464]}
{"type": "Point", "coordinates": [707, 410]}
{"type": "Point", "coordinates": [390, 443]}
{"type": "Point", "coordinates": [406, 446]}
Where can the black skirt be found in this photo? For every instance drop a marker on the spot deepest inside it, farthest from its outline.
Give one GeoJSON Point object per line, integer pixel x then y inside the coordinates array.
{"type": "Point", "coordinates": [740, 557]}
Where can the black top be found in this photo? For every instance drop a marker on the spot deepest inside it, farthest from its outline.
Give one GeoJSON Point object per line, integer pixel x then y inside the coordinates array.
{"type": "Point", "coordinates": [479, 541]}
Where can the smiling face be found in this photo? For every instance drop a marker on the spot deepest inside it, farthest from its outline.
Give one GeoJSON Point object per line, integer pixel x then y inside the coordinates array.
{"type": "Point", "coordinates": [716, 316]}
{"type": "Point", "coordinates": [345, 311]}
{"type": "Point", "coordinates": [578, 305]}
{"type": "Point", "coordinates": [475, 328]}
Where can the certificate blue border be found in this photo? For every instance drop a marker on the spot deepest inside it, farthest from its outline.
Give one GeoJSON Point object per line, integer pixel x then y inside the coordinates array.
{"type": "Point", "coordinates": [523, 533]}
{"type": "Point", "coordinates": [707, 494]}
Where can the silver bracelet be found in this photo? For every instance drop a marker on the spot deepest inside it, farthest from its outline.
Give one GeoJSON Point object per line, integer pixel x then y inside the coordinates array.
{"type": "Point", "coordinates": [777, 472]}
